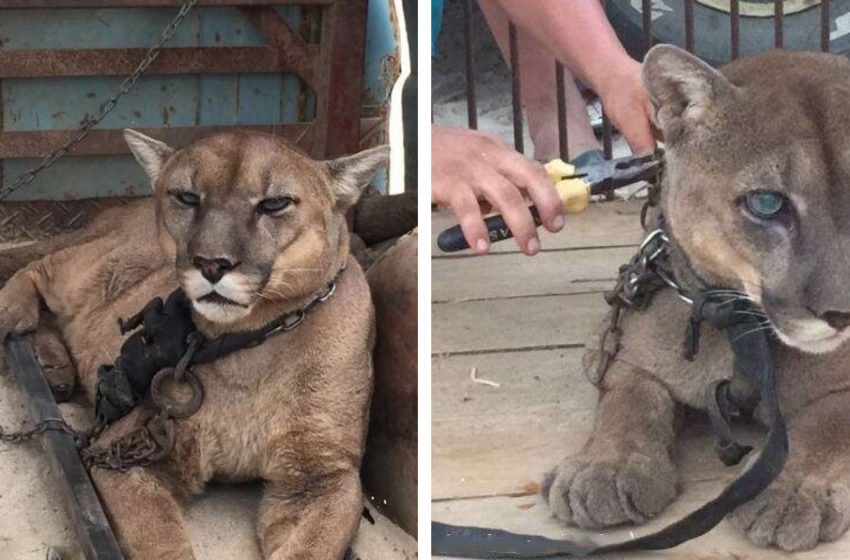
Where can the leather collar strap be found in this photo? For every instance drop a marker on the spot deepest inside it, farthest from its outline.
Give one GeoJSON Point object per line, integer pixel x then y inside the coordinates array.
{"type": "Point", "coordinates": [211, 350]}
{"type": "Point", "coordinates": [752, 359]}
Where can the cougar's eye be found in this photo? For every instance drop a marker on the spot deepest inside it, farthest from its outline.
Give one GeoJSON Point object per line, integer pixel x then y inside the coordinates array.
{"type": "Point", "coordinates": [274, 205]}
{"type": "Point", "coordinates": [186, 197]}
{"type": "Point", "coordinates": [765, 205]}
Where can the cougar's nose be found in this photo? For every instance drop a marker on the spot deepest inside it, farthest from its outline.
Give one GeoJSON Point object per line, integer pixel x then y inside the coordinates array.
{"type": "Point", "coordinates": [836, 319]}
{"type": "Point", "coordinates": [212, 269]}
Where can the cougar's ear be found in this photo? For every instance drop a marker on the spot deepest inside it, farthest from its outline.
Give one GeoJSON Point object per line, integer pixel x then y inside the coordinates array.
{"type": "Point", "coordinates": [350, 174]}
{"type": "Point", "coordinates": [682, 88]}
{"type": "Point", "coordinates": [151, 154]}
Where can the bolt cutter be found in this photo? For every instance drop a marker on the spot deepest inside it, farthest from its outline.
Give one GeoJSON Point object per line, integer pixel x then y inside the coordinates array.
{"type": "Point", "coordinates": [575, 186]}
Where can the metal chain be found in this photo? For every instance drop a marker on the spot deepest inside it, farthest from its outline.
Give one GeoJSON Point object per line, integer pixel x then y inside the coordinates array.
{"type": "Point", "coordinates": [81, 437]}
{"type": "Point", "coordinates": [637, 281]}
{"type": "Point", "coordinates": [125, 87]}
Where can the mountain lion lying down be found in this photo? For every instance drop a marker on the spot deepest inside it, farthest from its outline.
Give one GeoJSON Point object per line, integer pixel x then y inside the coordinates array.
{"type": "Point", "coordinates": [251, 229]}
{"type": "Point", "coordinates": [756, 198]}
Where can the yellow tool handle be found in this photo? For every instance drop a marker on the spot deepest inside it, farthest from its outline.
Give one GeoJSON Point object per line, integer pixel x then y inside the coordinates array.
{"type": "Point", "coordinates": [574, 193]}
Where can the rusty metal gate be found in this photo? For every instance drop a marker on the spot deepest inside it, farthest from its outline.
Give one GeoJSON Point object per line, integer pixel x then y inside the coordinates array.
{"type": "Point", "coordinates": [289, 67]}
{"type": "Point", "coordinates": [649, 11]}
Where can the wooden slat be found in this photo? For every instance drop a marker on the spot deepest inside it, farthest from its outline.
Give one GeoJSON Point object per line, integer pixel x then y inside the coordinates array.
{"type": "Point", "coordinates": [486, 326]}
{"type": "Point", "coordinates": [90, 524]}
{"type": "Point", "coordinates": [111, 142]}
{"type": "Point", "coordinates": [499, 441]}
{"type": "Point", "coordinates": [514, 274]}
{"type": "Point", "coordinates": [41, 4]}
{"type": "Point", "coordinates": [40, 63]}
{"type": "Point", "coordinates": [602, 225]}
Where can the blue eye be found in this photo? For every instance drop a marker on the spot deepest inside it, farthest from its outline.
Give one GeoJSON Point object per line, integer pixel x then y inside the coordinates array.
{"type": "Point", "coordinates": [185, 197]}
{"type": "Point", "coordinates": [765, 204]}
{"type": "Point", "coordinates": [274, 205]}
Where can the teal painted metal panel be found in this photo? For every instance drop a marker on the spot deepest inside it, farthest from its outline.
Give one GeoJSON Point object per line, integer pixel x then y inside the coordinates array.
{"type": "Point", "coordinates": [190, 100]}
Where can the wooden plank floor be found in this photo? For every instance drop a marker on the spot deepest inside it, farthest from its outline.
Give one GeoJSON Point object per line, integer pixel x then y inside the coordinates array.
{"type": "Point", "coordinates": [521, 322]}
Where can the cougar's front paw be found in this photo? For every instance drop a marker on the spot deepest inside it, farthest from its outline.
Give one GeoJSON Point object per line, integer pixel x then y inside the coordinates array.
{"type": "Point", "coordinates": [18, 312]}
{"type": "Point", "coordinates": [796, 516]}
{"type": "Point", "coordinates": [596, 493]}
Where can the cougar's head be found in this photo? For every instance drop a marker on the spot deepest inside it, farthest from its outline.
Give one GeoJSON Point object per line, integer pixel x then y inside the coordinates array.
{"type": "Point", "coordinates": [757, 191]}
{"type": "Point", "coordinates": [249, 219]}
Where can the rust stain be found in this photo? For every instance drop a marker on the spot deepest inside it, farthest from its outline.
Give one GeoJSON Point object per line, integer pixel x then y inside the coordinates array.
{"type": "Point", "coordinates": [531, 488]}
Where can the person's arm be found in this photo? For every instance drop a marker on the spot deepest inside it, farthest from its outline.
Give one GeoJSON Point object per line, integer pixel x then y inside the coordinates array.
{"type": "Point", "coordinates": [472, 172]}
{"type": "Point", "coordinates": [577, 33]}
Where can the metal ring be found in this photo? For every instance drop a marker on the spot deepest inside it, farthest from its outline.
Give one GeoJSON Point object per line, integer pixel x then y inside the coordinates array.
{"type": "Point", "coordinates": [173, 408]}
{"type": "Point", "coordinates": [298, 318]}
{"type": "Point", "coordinates": [330, 291]}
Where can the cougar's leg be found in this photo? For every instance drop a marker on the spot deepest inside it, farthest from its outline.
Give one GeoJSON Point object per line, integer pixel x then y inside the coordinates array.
{"type": "Point", "coordinates": [144, 513]}
{"type": "Point", "coordinates": [316, 522]}
{"type": "Point", "coordinates": [624, 473]}
{"type": "Point", "coordinates": [53, 356]}
{"type": "Point", "coordinates": [810, 501]}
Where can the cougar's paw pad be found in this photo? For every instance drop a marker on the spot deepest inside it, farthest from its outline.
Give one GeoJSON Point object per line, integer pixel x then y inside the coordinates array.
{"type": "Point", "coordinates": [796, 517]}
{"type": "Point", "coordinates": [595, 494]}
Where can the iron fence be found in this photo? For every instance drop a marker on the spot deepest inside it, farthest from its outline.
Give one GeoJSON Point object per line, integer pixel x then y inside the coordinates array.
{"type": "Point", "coordinates": [734, 10]}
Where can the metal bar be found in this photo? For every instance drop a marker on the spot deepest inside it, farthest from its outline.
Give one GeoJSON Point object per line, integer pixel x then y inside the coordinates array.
{"type": "Point", "coordinates": [42, 4]}
{"type": "Point", "coordinates": [95, 536]}
{"type": "Point", "coordinates": [607, 132]}
{"type": "Point", "coordinates": [120, 62]}
{"type": "Point", "coordinates": [26, 144]}
{"type": "Point", "coordinates": [689, 26]}
{"type": "Point", "coordinates": [561, 91]}
{"type": "Point", "coordinates": [343, 44]}
{"type": "Point", "coordinates": [778, 24]}
{"type": "Point", "coordinates": [646, 16]}
{"type": "Point", "coordinates": [471, 101]}
{"type": "Point", "coordinates": [735, 27]}
{"type": "Point", "coordinates": [516, 89]}
{"type": "Point", "coordinates": [825, 22]}
{"type": "Point", "coordinates": [293, 50]}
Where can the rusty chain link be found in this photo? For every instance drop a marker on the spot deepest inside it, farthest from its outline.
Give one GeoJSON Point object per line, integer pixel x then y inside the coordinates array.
{"type": "Point", "coordinates": [140, 447]}
{"type": "Point", "coordinates": [646, 272]}
{"type": "Point", "coordinates": [129, 82]}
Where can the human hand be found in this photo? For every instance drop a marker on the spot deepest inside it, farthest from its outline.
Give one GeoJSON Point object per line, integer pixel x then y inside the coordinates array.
{"type": "Point", "coordinates": [627, 105]}
{"type": "Point", "coordinates": [473, 173]}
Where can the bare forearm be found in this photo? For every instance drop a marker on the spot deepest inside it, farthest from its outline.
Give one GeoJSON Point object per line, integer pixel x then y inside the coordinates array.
{"type": "Point", "coordinates": [577, 33]}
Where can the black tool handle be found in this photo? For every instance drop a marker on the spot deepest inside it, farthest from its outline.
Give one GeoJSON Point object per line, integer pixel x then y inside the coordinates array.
{"type": "Point", "coordinates": [452, 239]}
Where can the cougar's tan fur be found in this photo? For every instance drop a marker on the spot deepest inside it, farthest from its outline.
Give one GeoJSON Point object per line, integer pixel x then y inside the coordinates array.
{"type": "Point", "coordinates": [292, 411]}
{"type": "Point", "coordinates": [777, 122]}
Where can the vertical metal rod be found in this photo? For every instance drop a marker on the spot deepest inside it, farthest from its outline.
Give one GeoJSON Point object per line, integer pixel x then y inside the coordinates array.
{"type": "Point", "coordinates": [471, 102]}
{"type": "Point", "coordinates": [689, 25]}
{"type": "Point", "coordinates": [607, 146]}
{"type": "Point", "coordinates": [825, 21]}
{"type": "Point", "coordinates": [735, 27]}
{"type": "Point", "coordinates": [646, 13]}
{"type": "Point", "coordinates": [560, 91]}
{"type": "Point", "coordinates": [778, 24]}
{"type": "Point", "coordinates": [516, 93]}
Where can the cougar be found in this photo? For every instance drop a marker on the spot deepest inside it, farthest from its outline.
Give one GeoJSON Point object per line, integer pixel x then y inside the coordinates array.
{"type": "Point", "coordinates": [250, 228]}
{"type": "Point", "coordinates": [756, 198]}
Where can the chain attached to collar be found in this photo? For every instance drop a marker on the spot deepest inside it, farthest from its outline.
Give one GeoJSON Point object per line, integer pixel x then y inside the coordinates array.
{"type": "Point", "coordinates": [119, 391]}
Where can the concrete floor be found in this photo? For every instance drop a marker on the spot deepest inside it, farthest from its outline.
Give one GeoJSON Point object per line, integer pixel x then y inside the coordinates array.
{"type": "Point", "coordinates": [521, 322]}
